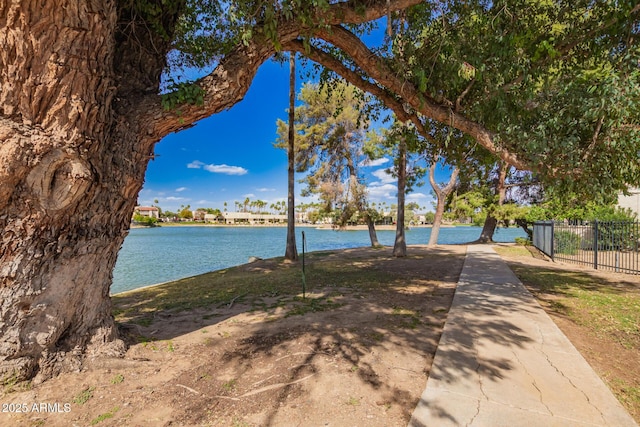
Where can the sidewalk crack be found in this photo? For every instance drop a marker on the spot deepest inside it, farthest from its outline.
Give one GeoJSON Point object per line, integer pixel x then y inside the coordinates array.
{"type": "Point", "coordinates": [534, 383]}
{"type": "Point", "coordinates": [479, 377]}
{"type": "Point", "coordinates": [542, 350]}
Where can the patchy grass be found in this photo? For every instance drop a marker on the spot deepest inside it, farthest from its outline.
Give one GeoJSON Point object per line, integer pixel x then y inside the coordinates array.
{"type": "Point", "coordinates": [604, 308]}
{"type": "Point", "coordinates": [517, 250]}
{"type": "Point", "coordinates": [11, 384]}
{"type": "Point", "coordinates": [105, 416]}
{"type": "Point", "coordinates": [312, 305]}
{"type": "Point", "coordinates": [250, 283]}
{"type": "Point", "coordinates": [408, 319]}
{"type": "Point", "coordinates": [229, 385]}
{"type": "Point", "coordinates": [117, 379]}
{"type": "Point", "coordinates": [84, 396]}
{"type": "Point", "coordinates": [630, 393]}
{"type": "Point", "coordinates": [197, 367]}
{"type": "Point", "coordinates": [353, 401]}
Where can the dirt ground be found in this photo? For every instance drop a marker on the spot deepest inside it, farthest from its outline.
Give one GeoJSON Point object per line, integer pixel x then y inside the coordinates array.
{"type": "Point", "coordinates": [362, 361]}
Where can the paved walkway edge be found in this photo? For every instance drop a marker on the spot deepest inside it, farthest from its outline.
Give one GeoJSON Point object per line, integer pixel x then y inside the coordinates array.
{"type": "Point", "coordinates": [502, 361]}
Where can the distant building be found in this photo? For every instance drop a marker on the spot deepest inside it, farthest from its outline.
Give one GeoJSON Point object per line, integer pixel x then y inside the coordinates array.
{"type": "Point", "coordinates": [149, 211]}
{"type": "Point", "coordinates": [198, 215]}
{"type": "Point", "coordinates": [632, 201]}
{"type": "Point", "coordinates": [232, 218]}
{"type": "Point", "coordinates": [212, 218]}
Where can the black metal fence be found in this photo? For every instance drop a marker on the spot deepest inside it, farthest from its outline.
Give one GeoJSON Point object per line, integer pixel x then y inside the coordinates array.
{"type": "Point", "coordinates": [607, 245]}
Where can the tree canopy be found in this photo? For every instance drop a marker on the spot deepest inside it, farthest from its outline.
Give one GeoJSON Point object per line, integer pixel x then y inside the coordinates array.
{"type": "Point", "coordinates": [551, 87]}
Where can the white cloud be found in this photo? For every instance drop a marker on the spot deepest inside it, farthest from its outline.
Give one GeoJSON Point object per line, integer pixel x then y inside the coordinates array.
{"type": "Point", "coordinates": [178, 190]}
{"type": "Point", "coordinates": [376, 162]}
{"type": "Point", "coordinates": [196, 164]}
{"type": "Point", "coordinates": [384, 176]}
{"type": "Point", "coordinates": [382, 191]}
{"type": "Point", "coordinates": [250, 195]}
{"type": "Point", "coordinates": [424, 200]}
{"type": "Point", "coordinates": [223, 169]}
{"type": "Point", "coordinates": [416, 196]}
{"type": "Point", "coordinates": [175, 199]}
{"type": "Point", "coordinates": [263, 190]}
{"type": "Point", "coordinates": [226, 169]}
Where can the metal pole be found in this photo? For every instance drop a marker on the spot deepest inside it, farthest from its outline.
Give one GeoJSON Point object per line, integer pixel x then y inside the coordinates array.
{"type": "Point", "coordinates": [595, 245]}
{"type": "Point", "coordinates": [553, 230]}
{"type": "Point", "coordinates": [304, 279]}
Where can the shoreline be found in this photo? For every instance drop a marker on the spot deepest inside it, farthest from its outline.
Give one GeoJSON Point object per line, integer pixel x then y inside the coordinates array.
{"type": "Point", "coordinates": [249, 262]}
{"type": "Point", "coordinates": [360, 227]}
{"type": "Point", "coordinates": [205, 253]}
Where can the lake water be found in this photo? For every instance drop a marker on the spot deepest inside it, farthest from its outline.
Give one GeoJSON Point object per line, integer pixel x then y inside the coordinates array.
{"type": "Point", "coordinates": [154, 255]}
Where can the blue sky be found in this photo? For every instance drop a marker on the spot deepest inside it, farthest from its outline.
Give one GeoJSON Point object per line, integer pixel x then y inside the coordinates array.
{"type": "Point", "coordinates": [230, 156]}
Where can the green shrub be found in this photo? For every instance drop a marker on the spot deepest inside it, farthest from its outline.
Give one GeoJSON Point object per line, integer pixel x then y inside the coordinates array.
{"type": "Point", "coordinates": [566, 242]}
{"type": "Point", "coordinates": [617, 235]}
{"type": "Point", "coordinates": [145, 220]}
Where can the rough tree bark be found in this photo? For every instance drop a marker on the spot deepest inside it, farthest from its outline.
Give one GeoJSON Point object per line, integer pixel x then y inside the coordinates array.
{"type": "Point", "coordinates": [490, 223]}
{"type": "Point", "coordinates": [71, 169]}
{"type": "Point", "coordinates": [371, 227]}
{"type": "Point", "coordinates": [400, 244]}
{"type": "Point", "coordinates": [441, 198]}
{"type": "Point", "coordinates": [79, 117]}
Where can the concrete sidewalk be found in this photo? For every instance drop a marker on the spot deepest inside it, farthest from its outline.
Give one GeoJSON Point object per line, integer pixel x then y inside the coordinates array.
{"type": "Point", "coordinates": [501, 361]}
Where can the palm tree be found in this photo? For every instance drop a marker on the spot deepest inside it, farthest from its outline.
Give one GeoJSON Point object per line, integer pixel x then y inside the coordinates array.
{"type": "Point", "coordinates": [291, 251]}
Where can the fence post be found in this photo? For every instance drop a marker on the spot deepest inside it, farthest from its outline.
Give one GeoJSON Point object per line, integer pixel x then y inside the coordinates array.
{"type": "Point", "coordinates": [553, 239]}
{"type": "Point", "coordinates": [595, 245]}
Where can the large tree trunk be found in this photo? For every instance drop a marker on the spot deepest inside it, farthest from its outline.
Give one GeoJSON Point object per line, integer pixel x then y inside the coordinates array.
{"type": "Point", "coordinates": [400, 244]}
{"type": "Point", "coordinates": [441, 198]}
{"type": "Point", "coordinates": [522, 223]}
{"type": "Point", "coordinates": [373, 236]}
{"type": "Point", "coordinates": [79, 116]}
{"type": "Point", "coordinates": [291, 251]}
{"type": "Point", "coordinates": [71, 173]}
{"type": "Point", "coordinates": [491, 223]}
{"type": "Point", "coordinates": [488, 229]}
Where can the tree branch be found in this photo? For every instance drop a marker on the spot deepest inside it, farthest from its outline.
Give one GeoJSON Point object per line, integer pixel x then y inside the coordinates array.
{"type": "Point", "coordinates": [230, 80]}
{"type": "Point", "coordinates": [375, 67]}
{"type": "Point", "coordinates": [444, 191]}
{"type": "Point", "coordinates": [329, 61]}
{"type": "Point", "coordinates": [463, 94]}
{"type": "Point", "coordinates": [594, 140]}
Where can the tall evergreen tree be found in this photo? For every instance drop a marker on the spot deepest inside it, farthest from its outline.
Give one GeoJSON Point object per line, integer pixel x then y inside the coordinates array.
{"type": "Point", "coordinates": [331, 134]}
